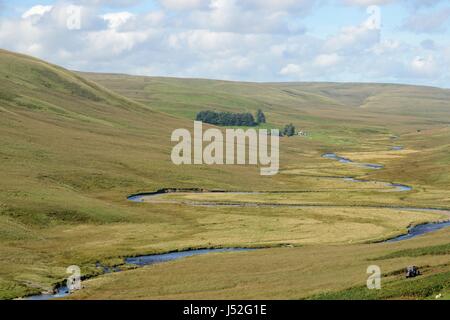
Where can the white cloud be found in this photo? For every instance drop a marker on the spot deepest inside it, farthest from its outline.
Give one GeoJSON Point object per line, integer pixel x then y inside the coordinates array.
{"type": "Point", "coordinates": [38, 10]}
{"type": "Point", "coordinates": [299, 6]}
{"type": "Point", "coordinates": [117, 19]}
{"type": "Point", "coordinates": [226, 39]}
{"type": "Point", "coordinates": [266, 5]}
{"type": "Point", "coordinates": [292, 70]}
{"type": "Point", "coordinates": [353, 38]}
{"type": "Point", "coordinates": [424, 67]}
{"type": "Point", "coordinates": [241, 17]}
{"type": "Point", "coordinates": [185, 4]}
{"type": "Point", "coordinates": [386, 46]}
{"type": "Point", "coordinates": [115, 43]}
{"type": "Point", "coordinates": [327, 60]}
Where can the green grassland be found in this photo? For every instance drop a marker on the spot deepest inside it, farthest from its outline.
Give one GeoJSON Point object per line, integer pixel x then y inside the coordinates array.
{"type": "Point", "coordinates": [74, 145]}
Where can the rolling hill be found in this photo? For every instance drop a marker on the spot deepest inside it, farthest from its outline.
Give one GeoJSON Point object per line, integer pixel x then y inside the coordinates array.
{"type": "Point", "coordinates": [312, 104]}
{"type": "Point", "coordinates": [75, 145]}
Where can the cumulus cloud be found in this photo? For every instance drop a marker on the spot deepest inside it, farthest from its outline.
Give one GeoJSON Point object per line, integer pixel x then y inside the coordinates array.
{"type": "Point", "coordinates": [327, 60]}
{"type": "Point", "coordinates": [226, 39]}
{"type": "Point", "coordinates": [267, 5]}
{"type": "Point", "coordinates": [424, 66]}
{"type": "Point", "coordinates": [185, 4]}
{"type": "Point", "coordinates": [110, 3]}
{"type": "Point", "coordinates": [240, 16]}
{"type": "Point", "coordinates": [353, 38]}
{"type": "Point", "coordinates": [117, 19]}
{"type": "Point", "coordinates": [38, 10]}
{"type": "Point", "coordinates": [292, 70]}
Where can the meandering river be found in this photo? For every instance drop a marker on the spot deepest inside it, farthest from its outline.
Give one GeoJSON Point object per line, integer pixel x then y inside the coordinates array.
{"type": "Point", "coordinates": [334, 156]}
{"type": "Point", "coordinates": [412, 232]}
{"type": "Point", "coordinates": [146, 260]}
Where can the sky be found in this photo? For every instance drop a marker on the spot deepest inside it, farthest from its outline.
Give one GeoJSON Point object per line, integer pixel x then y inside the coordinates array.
{"type": "Point", "coordinates": [394, 41]}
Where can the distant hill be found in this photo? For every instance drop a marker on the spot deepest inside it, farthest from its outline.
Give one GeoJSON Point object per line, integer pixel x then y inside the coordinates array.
{"type": "Point", "coordinates": [310, 103]}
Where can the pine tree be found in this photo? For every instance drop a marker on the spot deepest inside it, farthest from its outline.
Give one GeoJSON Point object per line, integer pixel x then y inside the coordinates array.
{"type": "Point", "coordinates": [260, 117]}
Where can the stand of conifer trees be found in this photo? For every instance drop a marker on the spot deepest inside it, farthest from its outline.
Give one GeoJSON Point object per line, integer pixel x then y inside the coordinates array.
{"type": "Point", "coordinates": [227, 118]}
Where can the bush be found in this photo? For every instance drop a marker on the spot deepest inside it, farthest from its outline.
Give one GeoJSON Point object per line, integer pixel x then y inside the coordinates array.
{"type": "Point", "coordinates": [289, 130]}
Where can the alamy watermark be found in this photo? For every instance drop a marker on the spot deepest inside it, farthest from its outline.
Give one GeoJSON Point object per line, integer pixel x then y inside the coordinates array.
{"type": "Point", "coordinates": [74, 281]}
{"type": "Point", "coordinates": [374, 20]}
{"type": "Point", "coordinates": [73, 21]}
{"type": "Point", "coordinates": [249, 147]}
{"type": "Point", "coordinates": [374, 280]}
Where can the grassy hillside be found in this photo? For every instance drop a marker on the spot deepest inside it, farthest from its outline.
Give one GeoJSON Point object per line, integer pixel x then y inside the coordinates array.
{"type": "Point", "coordinates": [315, 106]}
{"type": "Point", "coordinates": [75, 145]}
{"type": "Point", "coordinates": [71, 152]}
{"type": "Point", "coordinates": [348, 117]}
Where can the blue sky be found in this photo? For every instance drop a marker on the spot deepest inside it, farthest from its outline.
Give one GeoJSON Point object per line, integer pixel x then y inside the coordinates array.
{"type": "Point", "coordinates": [400, 41]}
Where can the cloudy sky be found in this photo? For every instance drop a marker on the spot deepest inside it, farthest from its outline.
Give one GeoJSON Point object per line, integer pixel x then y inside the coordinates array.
{"type": "Point", "coordinates": [401, 41]}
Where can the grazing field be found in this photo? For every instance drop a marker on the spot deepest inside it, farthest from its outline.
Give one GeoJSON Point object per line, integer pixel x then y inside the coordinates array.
{"type": "Point", "coordinates": [309, 272]}
{"type": "Point", "coordinates": [75, 145]}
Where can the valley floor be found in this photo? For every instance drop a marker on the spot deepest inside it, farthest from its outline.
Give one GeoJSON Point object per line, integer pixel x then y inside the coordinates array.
{"type": "Point", "coordinates": [328, 233]}
{"type": "Point", "coordinates": [323, 238]}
